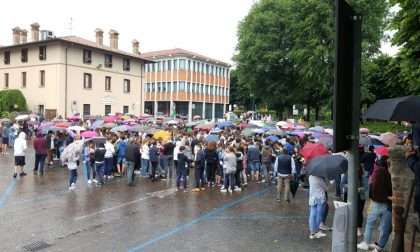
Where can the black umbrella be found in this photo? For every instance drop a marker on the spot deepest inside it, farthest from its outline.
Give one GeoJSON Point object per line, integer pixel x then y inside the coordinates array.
{"type": "Point", "coordinates": [327, 165]}
{"type": "Point", "coordinates": [96, 140]}
{"type": "Point", "coordinates": [366, 140]}
{"type": "Point", "coordinates": [405, 108]}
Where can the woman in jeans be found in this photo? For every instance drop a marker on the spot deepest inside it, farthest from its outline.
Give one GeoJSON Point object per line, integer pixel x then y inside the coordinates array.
{"type": "Point", "coordinates": [317, 197]}
{"type": "Point", "coordinates": [380, 192]}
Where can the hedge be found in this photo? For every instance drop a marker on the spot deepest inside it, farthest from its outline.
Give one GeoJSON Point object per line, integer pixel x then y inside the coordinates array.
{"type": "Point", "coordinates": [10, 97]}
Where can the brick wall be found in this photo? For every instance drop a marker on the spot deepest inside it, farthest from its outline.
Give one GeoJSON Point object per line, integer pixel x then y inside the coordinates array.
{"type": "Point", "coordinates": [401, 176]}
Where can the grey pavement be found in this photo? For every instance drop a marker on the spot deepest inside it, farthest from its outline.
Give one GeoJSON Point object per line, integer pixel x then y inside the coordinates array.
{"type": "Point", "coordinates": [40, 210]}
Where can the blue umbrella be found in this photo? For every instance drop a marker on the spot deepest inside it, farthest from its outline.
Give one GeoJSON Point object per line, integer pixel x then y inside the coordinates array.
{"type": "Point", "coordinates": [215, 131]}
{"type": "Point", "coordinates": [273, 138]}
{"type": "Point", "coordinates": [96, 124]}
{"type": "Point", "coordinates": [210, 138]}
{"type": "Point", "coordinates": [224, 124]}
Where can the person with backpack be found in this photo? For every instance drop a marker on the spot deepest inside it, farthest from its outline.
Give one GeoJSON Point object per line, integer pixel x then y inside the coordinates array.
{"type": "Point", "coordinates": [199, 169]}
{"type": "Point", "coordinates": [182, 169]}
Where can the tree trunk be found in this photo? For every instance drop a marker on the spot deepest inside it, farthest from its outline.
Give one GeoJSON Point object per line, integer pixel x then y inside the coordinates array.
{"type": "Point", "coordinates": [308, 114]}
{"type": "Point", "coordinates": [317, 113]}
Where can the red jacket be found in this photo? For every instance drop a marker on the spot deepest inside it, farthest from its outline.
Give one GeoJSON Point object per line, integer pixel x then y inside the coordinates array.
{"type": "Point", "coordinates": [40, 144]}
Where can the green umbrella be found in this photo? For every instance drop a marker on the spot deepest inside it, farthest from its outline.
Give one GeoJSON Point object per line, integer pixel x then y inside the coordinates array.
{"type": "Point", "coordinates": [248, 133]}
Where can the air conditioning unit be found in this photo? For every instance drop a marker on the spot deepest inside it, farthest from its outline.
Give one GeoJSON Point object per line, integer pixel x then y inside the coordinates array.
{"type": "Point", "coordinates": [45, 34]}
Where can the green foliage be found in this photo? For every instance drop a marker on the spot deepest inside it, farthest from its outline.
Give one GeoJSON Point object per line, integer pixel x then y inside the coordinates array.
{"type": "Point", "coordinates": [286, 49]}
{"type": "Point", "coordinates": [374, 127]}
{"type": "Point", "coordinates": [11, 97]}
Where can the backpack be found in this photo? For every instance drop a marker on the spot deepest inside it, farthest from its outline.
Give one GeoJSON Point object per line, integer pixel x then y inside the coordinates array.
{"type": "Point", "coordinates": [200, 159]}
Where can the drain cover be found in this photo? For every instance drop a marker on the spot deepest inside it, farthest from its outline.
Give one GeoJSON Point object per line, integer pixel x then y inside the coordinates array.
{"type": "Point", "coordinates": [35, 246]}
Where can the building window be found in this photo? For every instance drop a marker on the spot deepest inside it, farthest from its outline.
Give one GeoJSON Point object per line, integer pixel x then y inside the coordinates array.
{"type": "Point", "coordinates": [227, 73]}
{"type": "Point", "coordinates": [158, 87]}
{"type": "Point", "coordinates": [181, 64]}
{"type": "Point", "coordinates": [125, 109]}
{"type": "Point", "coordinates": [211, 70]}
{"type": "Point", "coordinates": [126, 86]}
{"type": "Point", "coordinates": [169, 64]}
{"type": "Point", "coordinates": [202, 89]}
{"type": "Point", "coordinates": [6, 80]}
{"type": "Point", "coordinates": [42, 78]}
{"type": "Point", "coordinates": [188, 86]}
{"type": "Point", "coordinates": [169, 86]}
{"type": "Point", "coordinates": [108, 60]}
{"type": "Point", "coordinates": [211, 90]}
{"type": "Point", "coordinates": [163, 86]}
{"type": "Point", "coordinates": [87, 81]}
{"type": "Point", "coordinates": [159, 66]}
{"type": "Point", "coordinates": [24, 55]}
{"type": "Point", "coordinates": [87, 56]}
{"type": "Point", "coordinates": [148, 88]}
{"type": "Point", "coordinates": [86, 109]}
{"type": "Point", "coordinates": [175, 64]}
{"type": "Point", "coordinates": [203, 70]}
{"type": "Point", "coordinates": [193, 66]}
{"type": "Point", "coordinates": [153, 67]}
{"type": "Point", "coordinates": [153, 87]}
{"type": "Point", "coordinates": [107, 83]}
{"type": "Point", "coordinates": [6, 57]}
{"type": "Point", "coordinates": [207, 89]}
{"type": "Point", "coordinates": [107, 109]}
{"type": "Point", "coordinates": [164, 65]}
{"type": "Point", "coordinates": [23, 79]}
{"type": "Point", "coordinates": [42, 52]}
{"type": "Point", "coordinates": [175, 86]}
{"type": "Point", "coordinates": [193, 87]}
{"type": "Point", "coordinates": [40, 109]}
{"type": "Point", "coordinates": [147, 68]}
{"type": "Point", "coordinates": [189, 65]}
{"type": "Point", "coordinates": [182, 86]}
{"type": "Point", "coordinates": [126, 64]}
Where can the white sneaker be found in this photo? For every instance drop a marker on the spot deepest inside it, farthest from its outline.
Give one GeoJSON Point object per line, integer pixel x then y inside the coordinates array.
{"type": "Point", "coordinates": [363, 246]}
{"type": "Point", "coordinates": [110, 177]}
{"type": "Point", "coordinates": [136, 172]}
{"type": "Point", "coordinates": [263, 181]}
{"type": "Point", "coordinates": [222, 188]}
{"type": "Point", "coordinates": [94, 181]}
{"type": "Point", "coordinates": [89, 181]}
{"type": "Point", "coordinates": [319, 234]}
{"type": "Point", "coordinates": [73, 185]}
{"type": "Point", "coordinates": [359, 233]}
{"type": "Point", "coordinates": [238, 189]}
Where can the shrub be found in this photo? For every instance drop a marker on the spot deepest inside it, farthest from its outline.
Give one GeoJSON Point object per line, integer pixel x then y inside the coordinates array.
{"type": "Point", "coordinates": [11, 97]}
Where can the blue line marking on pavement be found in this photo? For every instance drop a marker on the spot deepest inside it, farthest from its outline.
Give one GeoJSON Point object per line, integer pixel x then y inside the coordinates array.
{"type": "Point", "coordinates": [191, 222]}
{"type": "Point", "coordinates": [253, 217]}
{"type": "Point", "coordinates": [8, 191]}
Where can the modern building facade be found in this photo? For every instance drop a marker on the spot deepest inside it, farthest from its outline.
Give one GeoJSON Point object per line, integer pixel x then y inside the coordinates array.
{"type": "Point", "coordinates": [186, 83]}
{"type": "Point", "coordinates": [68, 75]}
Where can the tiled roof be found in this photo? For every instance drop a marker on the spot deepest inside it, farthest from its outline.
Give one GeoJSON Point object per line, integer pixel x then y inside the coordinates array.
{"type": "Point", "coordinates": [179, 51]}
{"type": "Point", "coordinates": [85, 42]}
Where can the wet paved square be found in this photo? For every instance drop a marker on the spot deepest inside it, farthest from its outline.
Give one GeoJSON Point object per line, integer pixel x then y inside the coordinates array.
{"type": "Point", "coordinates": [148, 217]}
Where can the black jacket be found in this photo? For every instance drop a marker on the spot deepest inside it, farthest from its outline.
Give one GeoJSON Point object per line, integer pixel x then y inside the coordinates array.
{"type": "Point", "coordinates": [132, 153]}
{"type": "Point", "coordinates": [168, 149]}
{"type": "Point", "coordinates": [182, 161]}
{"type": "Point", "coordinates": [154, 154]}
{"type": "Point", "coordinates": [414, 164]}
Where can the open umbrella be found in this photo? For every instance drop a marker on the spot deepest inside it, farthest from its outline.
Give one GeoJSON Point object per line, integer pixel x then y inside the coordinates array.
{"type": "Point", "coordinates": [327, 165]}
{"type": "Point", "coordinates": [196, 117]}
{"type": "Point", "coordinates": [109, 119]}
{"type": "Point", "coordinates": [364, 130]}
{"type": "Point", "coordinates": [210, 138]}
{"type": "Point", "coordinates": [71, 151]}
{"type": "Point", "coordinates": [33, 123]}
{"type": "Point", "coordinates": [152, 131]}
{"type": "Point", "coordinates": [96, 124]}
{"type": "Point", "coordinates": [89, 134]}
{"type": "Point", "coordinates": [61, 125]}
{"type": "Point", "coordinates": [224, 124]}
{"type": "Point", "coordinates": [258, 123]}
{"type": "Point", "coordinates": [297, 133]}
{"type": "Point", "coordinates": [139, 128]}
{"type": "Point", "coordinates": [191, 124]}
{"type": "Point", "coordinates": [161, 134]}
{"type": "Point", "coordinates": [300, 127]}
{"type": "Point", "coordinates": [215, 131]}
{"type": "Point", "coordinates": [327, 141]}
{"type": "Point", "coordinates": [96, 140]}
{"type": "Point", "coordinates": [281, 123]}
{"type": "Point", "coordinates": [109, 125]}
{"type": "Point", "coordinates": [247, 133]}
{"type": "Point", "coordinates": [77, 128]}
{"type": "Point", "coordinates": [273, 138]}
{"type": "Point", "coordinates": [244, 125]}
{"type": "Point", "coordinates": [319, 129]}
{"type": "Point", "coordinates": [75, 118]}
{"type": "Point", "coordinates": [397, 109]}
{"type": "Point", "coordinates": [276, 132]}
{"type": "Point", "coordinates": [382, 150]}
{"type": "Point", "coordinates": [257, 131]}
{"type": "Point", "coordinates": [389, 138]}
{"type": "Point", "coordinates": [310, 150]}
{"type": "Point", "coordinates": [172, 122]}
{"type": "Point", "coordinates": [122, 128]}
{"type": "Point", "coordinates": [22, 117]}
{"type": "Point", "coordinates": [54, 129]}
{"type": "Point", "coordinates": [367, 140]}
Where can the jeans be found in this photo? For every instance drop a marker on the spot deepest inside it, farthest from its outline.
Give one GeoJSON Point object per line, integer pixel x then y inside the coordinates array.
{"type": "Point", "coordinates": [100, 169]}
{"type": "Point", "coordinates": [39, 162]}
{"type": "Point", "coordinates": [337, 180]}
{"type": "Point", "coordinates": [231, 180]}
{"type": "Point", "coordinates": [130, 172]}
{"type": "Point", "coordinates": [379, 211]}
{"type": "Point", "coordinates": [88, 166]}
{"type": "Point", "coordinates": [73, 176]}
{"type": "Point", "coordinates": [182, 172]}
{"type": "Point", "coordinates": [144, 167]}
{"type": "Point", "coordinates": [255, 166]}
{"type": "Point", "coordinates": [315, 215]}
{"type": "Point", "coordinates": [267, 167]}
{"type": "Point", "coordinates": [325, 210]}
{"type": "Point", "coordinates": [108, 166]}
{"type": "Point", "coordinates": [238, 178]}
{"type": "Point", "coordinates": [154, 166]}
{"type": "Point", "coordinates": [286, 181]}
{"type": "Point", "coordinates": [199, 175]}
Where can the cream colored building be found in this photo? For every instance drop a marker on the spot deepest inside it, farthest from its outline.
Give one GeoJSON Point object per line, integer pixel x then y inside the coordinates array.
{"type": "Point", "coordinates": [68, 75]}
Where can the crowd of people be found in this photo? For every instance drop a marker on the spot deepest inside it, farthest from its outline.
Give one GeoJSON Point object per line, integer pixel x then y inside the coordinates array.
{"type": "Point", "coordinates": [229, 162]}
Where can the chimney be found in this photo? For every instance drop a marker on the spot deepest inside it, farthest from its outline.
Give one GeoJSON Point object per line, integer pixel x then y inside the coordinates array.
{"type": "Point", "coordinates": [16, 35]}
{"type": "Point", "coordinates": [113, 39]}
{"type": "Point", "coordinates": [23, 36]}
{"type": "Point", "coordinates": [99, 36]}
{"type": "Point", "coordinates": [34, 32]}
{"type": "Point", "coordinates": [135, 46]}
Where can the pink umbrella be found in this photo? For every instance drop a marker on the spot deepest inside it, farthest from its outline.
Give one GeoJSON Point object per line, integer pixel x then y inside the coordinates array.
{"type": "Point", "coordinates": [89, 134]}
{"type": "Point", "coordinates": [109, 119]}
{"type": "Point", "coordinates": [364, 130]}
{"type": "Point", "coordinates": [300, 127]}
{"type": "Point", "coordinates": [117, 117]}
{"type": "Point", "coordinates": [75, 118]}
{"type": "Point", "coordinates": [61, 125]}
{"type": "Point", "coordinates": [389, 138]}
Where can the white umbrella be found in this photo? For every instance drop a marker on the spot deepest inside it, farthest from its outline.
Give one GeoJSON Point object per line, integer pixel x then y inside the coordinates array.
{"type": "Point", "coordinates": [281, 123]}
{"type": "Point", "coordinates": [22, 117]}
{"type": "Point", "coordinates": [172, 122]}
{"type": "Point", "coordinates": [77, 128]}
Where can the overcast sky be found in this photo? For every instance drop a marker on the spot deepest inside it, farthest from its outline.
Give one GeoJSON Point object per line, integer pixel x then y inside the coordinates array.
{"type": "Point", "coordinates": [202, 26]}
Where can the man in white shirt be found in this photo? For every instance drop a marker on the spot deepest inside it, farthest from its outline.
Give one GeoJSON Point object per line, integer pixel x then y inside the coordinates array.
{"type": "Point", "coordinates": [19, 153]}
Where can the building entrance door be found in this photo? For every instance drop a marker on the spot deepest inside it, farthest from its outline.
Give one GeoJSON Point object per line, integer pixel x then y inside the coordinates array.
{"type": "Point", "coordinates": [50, 114]}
